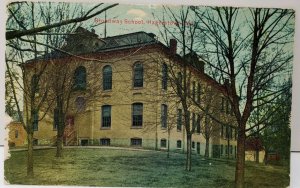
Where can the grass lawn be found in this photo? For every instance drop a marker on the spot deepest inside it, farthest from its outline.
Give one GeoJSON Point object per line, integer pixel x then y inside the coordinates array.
{"type": "Point", "coordinates": [112, 167]}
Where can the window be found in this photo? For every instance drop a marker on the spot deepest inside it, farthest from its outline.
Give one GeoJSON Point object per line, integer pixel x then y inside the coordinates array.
{"type": "Point", "coordinates": [164, 116]}
{"type": "Point", "coordinates": [235, 151]}
{"type": "Point", "coordinates": [35, 142]}
{"type": "Point", "coordinates": [225, 131]}
{"type": "Point", "coordinates": [221, 149]}
{"type": "Point", "coordinates": [236, 133]}
{"type": "Point", "coordinates": [188, 114]}
{"type": "Point", "coordinates": [164, 76]}
{"type": "Point", "coordinates": [222, 131]}
{"type": "Point", "coordinates": [136, 141]}
{"type": "Point", "coordinates": [198, 94]}
{"type": "Point", "coordinates": [80, 104]}
{"type": "Point", "coordinates": [193, 145]}
{"type": "Point", "coordinates": [194, 91]}
{"type": "Point", "coordinates": [222, 104]}
{"type": "Point", "coordinates": [178, 143]}
{"type": "Point", "coordinates": [35, 84]}
{"type": "Point", "coordinates": [84, 142]}
{"type": "Point", "coordinates": [138, 74]}
{"type": "Point", "coordinates": [227, 107]}
{"type": "Point", "coordinates": [107, 77]}
{"type": "Point", "coordinates": [70, 120]}
{"type": "Point", "coordinates": [56, 119]}
{"type": "Point", "coordinates": [179, 82]}
{"type": "Point", "coordinates": [163, 143]}
{"type": "Point", "coordinates": [231, 149]}
{"type": "Point", "coordinates": [198, 147]}
{"type": "Point", "coordinates": [80, 78]}
{"type": "Point", "coordinates": [35, 120]}
{"type": "Point", "coordinates": [198, 124]}
{"type": "Point", "coordinates": [193, 121]}
{"type": "Point", "coordinates": [106, 116]}
{"type": "Point", "coordinates": [137, 114]}
{"type": "Point", "coordinates": [105, 142]}
{"type": "Point", "coordinates": [16, 134]}
{"type": "Point", "coordinates": [179, 119]}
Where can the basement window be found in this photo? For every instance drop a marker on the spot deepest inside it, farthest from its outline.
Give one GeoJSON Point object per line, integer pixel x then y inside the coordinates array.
{"type": "Point", "coordinates": [137, 142]}
{"type": "Point", "coordinates": [163, 143]}
{"type": "Point", "coordinates": [84, 142]}
{"type": "Point", "coordinates": [105, 142]}
{"type": "Point", "coordinates": [178, 144]}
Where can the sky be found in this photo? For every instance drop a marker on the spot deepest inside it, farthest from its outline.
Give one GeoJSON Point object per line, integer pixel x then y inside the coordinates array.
{"type": "Point", "coordinates": [124, 19]}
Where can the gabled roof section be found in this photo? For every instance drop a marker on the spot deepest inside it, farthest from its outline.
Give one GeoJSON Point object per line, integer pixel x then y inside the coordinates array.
{"type": "Point", "coordinates": [83, 41]}
{"type": "Point", "coordinates": [127, 40]}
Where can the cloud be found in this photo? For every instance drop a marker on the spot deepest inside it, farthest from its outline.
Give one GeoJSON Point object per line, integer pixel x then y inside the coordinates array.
{"type": "Point", "coordinates": [137, 12]}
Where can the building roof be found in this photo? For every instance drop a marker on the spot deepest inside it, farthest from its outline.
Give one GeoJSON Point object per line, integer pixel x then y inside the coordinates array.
{"type": "Point", "coordinates": [84, 42]}
{"type": "Point", "coordinates": [126, 41]}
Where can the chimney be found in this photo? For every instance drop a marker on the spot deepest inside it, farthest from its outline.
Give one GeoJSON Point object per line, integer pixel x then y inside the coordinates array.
{"type": "Point", "coordinates": [173, 46]}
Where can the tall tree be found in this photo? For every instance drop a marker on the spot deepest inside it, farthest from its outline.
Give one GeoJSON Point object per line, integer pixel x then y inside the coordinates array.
{"type": "Point", "coordinates": [184, 34]}
{"type": "Point", "coordinates": [252, 53]}
{"type": "Point", "coordinates": [27, 39]}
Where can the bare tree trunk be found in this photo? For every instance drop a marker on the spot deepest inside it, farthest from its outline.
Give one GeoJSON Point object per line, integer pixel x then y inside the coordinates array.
{"type": "Point", "coordinates": [206, 155]}
{"type": "Point", "coordinates": [228, 144]}
{"type": "Point", "coordinates": [240, 161]}
{"type": "Point", "coordinates": [59, 146]}
{"type": "Point", "coordinates": [189, 153]}
{"type": "Point", "coordinates": [60, 128]}
{"type": "Point", "coordinates": [168, 145]}
{"type": "Point", "coordinates": [266, 157]}
{"type": "Point", "coordinates": [257, 156]}
{"type": "Point", "coordinates": [30, 155]}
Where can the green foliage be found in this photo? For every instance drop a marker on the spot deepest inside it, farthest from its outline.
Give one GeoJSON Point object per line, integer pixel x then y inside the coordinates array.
{"type": "Point", "coordinates": [277, 135]}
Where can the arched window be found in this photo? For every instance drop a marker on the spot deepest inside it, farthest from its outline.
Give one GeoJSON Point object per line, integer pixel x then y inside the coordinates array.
{"type": "Point", "coordinates": [164, 76]}
{"type": "Point", "coordinates": [80, 78]}
{"type": "Point", "coordinates": [107, 77]}
{"type": "Point", "coordinates": [138, 75]}
{"type": "Point", "coordinates": [137, 114]}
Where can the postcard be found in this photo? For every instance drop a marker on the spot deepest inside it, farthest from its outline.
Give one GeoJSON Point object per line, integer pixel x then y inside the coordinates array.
{"type": "Point", "coordinates": [152, 95]}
